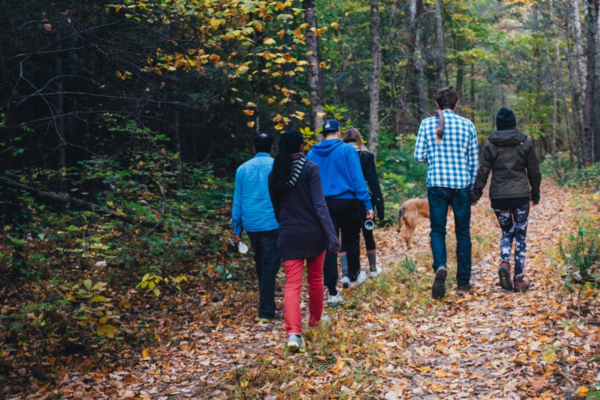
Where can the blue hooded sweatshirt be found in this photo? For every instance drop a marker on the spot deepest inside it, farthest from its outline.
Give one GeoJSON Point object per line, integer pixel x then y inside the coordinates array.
{"type": "Point", "coordinates": [341, 175]}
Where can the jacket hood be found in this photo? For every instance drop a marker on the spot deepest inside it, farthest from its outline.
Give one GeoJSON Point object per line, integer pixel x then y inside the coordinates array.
{"type": "Point", "coordinates": [509, 138]}
{"type": "Point", "coordinates": [326, 147]}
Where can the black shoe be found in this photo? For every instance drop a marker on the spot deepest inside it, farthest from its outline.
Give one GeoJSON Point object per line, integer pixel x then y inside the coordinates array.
{"type": "Point", "coordinates": [438, 290]}
{"type": "Point", "coordinates": [465, 288]}
{"type": "Point", "coordinates": [504, 275]}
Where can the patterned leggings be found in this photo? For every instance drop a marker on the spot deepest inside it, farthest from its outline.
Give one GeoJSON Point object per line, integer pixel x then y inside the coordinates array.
{"type": "Point", "coordinates": [514, 227]}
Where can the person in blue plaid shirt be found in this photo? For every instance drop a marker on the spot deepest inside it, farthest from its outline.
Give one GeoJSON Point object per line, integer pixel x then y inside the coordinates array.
{"type": "Point", "coordinates": [448, 144]}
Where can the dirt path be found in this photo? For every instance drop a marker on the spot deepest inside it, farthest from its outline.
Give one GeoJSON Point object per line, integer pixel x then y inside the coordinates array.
{"type": "Point", "coordinates": [389, 340]}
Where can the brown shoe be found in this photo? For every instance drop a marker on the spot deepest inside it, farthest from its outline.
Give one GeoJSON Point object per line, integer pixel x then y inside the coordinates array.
{"type": "Point", "coordinates": [521, 284]}
{"type": "Point", "coordinates": [504, 275]}
{"type": "Point", "coordinates": [465, 288]}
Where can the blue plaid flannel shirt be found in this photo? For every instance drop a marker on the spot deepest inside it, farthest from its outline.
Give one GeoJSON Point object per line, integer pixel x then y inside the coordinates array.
{"type": "Point", "coordinates": [453, 163]}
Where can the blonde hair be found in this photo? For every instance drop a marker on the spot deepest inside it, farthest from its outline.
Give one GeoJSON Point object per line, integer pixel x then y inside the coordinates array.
{"type": "Point", "coordinates": [353, 135]}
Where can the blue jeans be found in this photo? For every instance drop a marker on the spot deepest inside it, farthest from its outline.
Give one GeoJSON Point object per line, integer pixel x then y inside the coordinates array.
{"type": "Point", "coordinates": [268, 261]}
{"type": "Point", "coordinates": [460, 200]}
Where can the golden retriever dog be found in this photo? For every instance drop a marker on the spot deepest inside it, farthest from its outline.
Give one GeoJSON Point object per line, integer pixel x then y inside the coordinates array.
{"type": "Point", "coordinates": [410, 212]}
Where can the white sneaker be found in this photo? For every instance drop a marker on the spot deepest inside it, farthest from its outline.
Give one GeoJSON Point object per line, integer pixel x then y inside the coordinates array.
{"type": "Point", "coordinates": [333, 301]}
{"type": "Point", "coordinates": [362, 277]}
{"type": "Point", "coordinates": [345, 282]}
{"type": "Point", "coordinates": [375, 274]}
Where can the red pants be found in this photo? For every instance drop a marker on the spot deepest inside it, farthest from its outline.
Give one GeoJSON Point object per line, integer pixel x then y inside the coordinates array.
{"type": "Point", "coordinates": [294, 270]}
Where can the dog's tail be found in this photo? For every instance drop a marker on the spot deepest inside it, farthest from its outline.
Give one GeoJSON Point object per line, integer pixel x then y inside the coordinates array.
{"type": "Point", "coordinates": [400, 221]}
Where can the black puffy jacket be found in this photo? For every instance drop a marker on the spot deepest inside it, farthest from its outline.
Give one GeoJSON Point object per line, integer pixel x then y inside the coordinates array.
{"type": "Point", "coordinates": [511, 158]}
{"type": "Point", "coordinates": [367, 163]}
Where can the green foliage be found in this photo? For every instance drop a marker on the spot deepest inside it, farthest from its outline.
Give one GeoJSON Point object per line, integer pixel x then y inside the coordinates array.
{"type": "Point", "coordinates": [581, 256]}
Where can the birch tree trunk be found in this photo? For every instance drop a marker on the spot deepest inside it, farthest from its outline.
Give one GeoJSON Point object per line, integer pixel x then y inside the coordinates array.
{"type": "Point", "coordinates": [288, 80]}
{"type": "Point", "coordinates": [441, 49]}
{"type": "Point", "coordinates": [312, 56]}
{"type": "Point", "coordinates": [376, 74]}
{"type": "Point", "coordinates": [578, 39]}
{"type": "Point", "coordinates": [416, 10]}
{"type": "Point", "coordinates": [555, 99]}
{"type": "Point", "coordinates": [588, 131]}
{"type": "Point", "coordinates": [421, 84]}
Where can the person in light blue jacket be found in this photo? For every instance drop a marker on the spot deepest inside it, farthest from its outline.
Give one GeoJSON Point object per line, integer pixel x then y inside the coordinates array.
{"type": "Point", "coordinates": [253, 212]}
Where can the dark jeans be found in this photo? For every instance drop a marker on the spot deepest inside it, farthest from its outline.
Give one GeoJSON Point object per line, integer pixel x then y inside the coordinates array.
{"type": "Point", "coordinates": [345, 216]}
{"type": "Point", "coordinates": [514, 228]}
{"type": "Point", "coordinates": [460, 200]}
{"type": "Point", "coordinates": [268, 261]}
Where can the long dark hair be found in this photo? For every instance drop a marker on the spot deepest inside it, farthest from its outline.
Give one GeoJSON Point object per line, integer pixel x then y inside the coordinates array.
{"type": "Point", "coordinates": [289, 143]}
{"type": "Point", "coordinates": [445, 98]}
{"type": "Point", "coordinates": [353, 135]}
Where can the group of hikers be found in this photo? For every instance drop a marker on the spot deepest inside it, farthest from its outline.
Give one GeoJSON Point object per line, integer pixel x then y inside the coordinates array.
{"type": "Point", "coordinates": [293, 207]}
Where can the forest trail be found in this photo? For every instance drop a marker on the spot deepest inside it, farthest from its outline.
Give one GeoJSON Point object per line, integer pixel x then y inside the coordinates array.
{"type": "Point", "coordinates": [390, 340]}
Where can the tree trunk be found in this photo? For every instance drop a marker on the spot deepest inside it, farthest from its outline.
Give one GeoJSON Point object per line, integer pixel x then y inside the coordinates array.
{"type": "Point", "coordinates": [578, 39]}
{"type": "Point", "coordinates": [179, 160]}
{"type": "Point", "coordinates": [588, 129]}
{"type": "Point", "coordinates": [60, 111]}
{"type": "Point", "coordinates": [577, 110]}
{"type": "Point", "coordinates": [554, 95]}
{"type": "Point", "coordinates": [421, 84]}
{"type": "Point", "coordinates": [473, 105]}
{"type": "Point", "coordinates": [312, 56]}
{"type": "Point", "coordinates": [441, 49]}
{"type": "Point", "coordinates": [596, 137]}
{"type": "Point", "coordinates": [287, 68]}
{"type": "Point", "coordinates": [416, 10]}
{"type": "Point", "coordinates": [375, 84]}
{"type": "Point", "coordinates": [460, 76]}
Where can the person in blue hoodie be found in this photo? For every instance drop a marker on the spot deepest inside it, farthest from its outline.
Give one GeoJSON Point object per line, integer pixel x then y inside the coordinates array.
{"type": "Point", "coordinates": [343, 186]}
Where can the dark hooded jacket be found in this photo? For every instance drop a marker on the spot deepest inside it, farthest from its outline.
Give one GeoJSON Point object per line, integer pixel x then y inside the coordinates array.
{"type": "Point", "coordinates": [511, 158]}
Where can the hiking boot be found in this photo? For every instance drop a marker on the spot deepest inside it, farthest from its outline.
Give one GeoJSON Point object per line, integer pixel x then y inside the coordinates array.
{"type": "Point", "coordinates": [296, 344]}
{"type": "Point", "coordinates": [360, 279]}
{"type": "Point", "coordinates": [465, 288]}
{"type": "Point", "coordinates": [374, 273]}
{"type": "Point", "coordinates": [521, 284]}
{"type": "Point", "coordinates": [345, 281]}
{"type": "Point", "coordinates": [333, 301]}
{"type": "Point", "coordinates": [269, 319]}
{"type": "Point", "coordinates": [438, 290]}
{"type": "Point", "coordinates": [504, 275]}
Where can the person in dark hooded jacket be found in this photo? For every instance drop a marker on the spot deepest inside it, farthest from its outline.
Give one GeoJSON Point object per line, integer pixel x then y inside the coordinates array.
{"type": "Point", "coordinates": [516, 178]}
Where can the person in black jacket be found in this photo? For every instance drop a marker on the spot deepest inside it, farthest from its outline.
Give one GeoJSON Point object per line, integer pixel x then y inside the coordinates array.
{"type": "Point", "coordinates": [305, 231]}
{"type": "Point", "coordinates": [516, 180]}
{"type": "Point", "coordinates": [353, 137]}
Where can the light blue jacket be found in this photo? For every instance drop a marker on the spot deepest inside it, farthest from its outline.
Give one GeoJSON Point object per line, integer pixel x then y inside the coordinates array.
{"type": "Point", "coordinates": [252, 207]}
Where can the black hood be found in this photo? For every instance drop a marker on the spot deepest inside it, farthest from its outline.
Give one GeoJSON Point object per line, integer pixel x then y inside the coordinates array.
{"type": "Point", "coordinates": [508, 138]}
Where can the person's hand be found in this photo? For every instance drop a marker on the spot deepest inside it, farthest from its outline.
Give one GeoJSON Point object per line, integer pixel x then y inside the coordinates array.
{"type": "Point", "coordinates": [532, 203]}
{"type": "Point", "coordinates": [474, 203]}
{"type": "Point", "coordinates": [370, 214]}
{"type": "Point", "coordinates": [237, 238]}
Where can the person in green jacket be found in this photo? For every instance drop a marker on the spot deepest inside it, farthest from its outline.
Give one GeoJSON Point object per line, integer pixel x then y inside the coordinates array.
{"type": "Point", "coordinates": [516, 178]}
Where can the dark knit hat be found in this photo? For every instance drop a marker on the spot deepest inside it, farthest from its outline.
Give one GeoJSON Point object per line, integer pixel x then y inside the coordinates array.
{"type": "Point", "coordinates": [505, 120]}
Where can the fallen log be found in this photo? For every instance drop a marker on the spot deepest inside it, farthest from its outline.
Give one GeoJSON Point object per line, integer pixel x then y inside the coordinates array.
{"type": "Point", "coordinates": [85, 205]}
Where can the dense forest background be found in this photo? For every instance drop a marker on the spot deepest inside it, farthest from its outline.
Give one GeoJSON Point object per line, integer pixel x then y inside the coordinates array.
{"type": "Point", "coordinates": [122, 124]}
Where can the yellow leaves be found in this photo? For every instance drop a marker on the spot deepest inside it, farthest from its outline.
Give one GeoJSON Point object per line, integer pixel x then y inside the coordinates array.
{"type": "Point", "coordinates": [319, 32]}
{"type": "Point", "coordinates": [145, 353]}
{"type": "Point", "coordinates": [440, 374]}
{"type": "Point", "coordinates": [549, 357]}
{"type": "Point", "coordinates": [250, 124]}
{"type": "Point", "coordinates": [215, 59]}
{"type": "Point", "coordinates": [425, 369]}
{"type": "Point", "coordinates": [251, 105]}
{"type": "Point", "coordinates": [277, 118]}
{"type": "Point", "coordinates": [249, 112]}
{"type": "Point", "coordinates": [590, 293]}
{"type": "Point", "coordinates": [271, 100]}
{"type": "Point", "coordinates": [269, 41]}
{"type": "Point", "coordinates": [298, 33]}
{"type": "Point", "coordinates": [437, 387]}
{"type": "Point", "coordinates": [306, 101]}
{"type": "Point", "coordinates": [215, 23]}
{"type": "Point", "coordinates": [335, 25]}
{"type": "Point", "coordinates": [281, 34]}
{"type": "Point", "coordinates": [338, 366]}
{"type": "Point", "coordinates": [322, 64]}
{"type": "Point", "coordinates": [582, 391]}
{"type": "Point", "coordinates": [242, 69]}
{"type": "Point", "coordinates": [108, 331]}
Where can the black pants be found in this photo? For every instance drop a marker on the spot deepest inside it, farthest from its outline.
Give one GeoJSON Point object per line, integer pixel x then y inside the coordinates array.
{"type": "Point", "coordinates": [268, 261]}
{"type": "Point", "coordinates": [367, 234]}
{"type": "Point", "coordinates": [345, 215]}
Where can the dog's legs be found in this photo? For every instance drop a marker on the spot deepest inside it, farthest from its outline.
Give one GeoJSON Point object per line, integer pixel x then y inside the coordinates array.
{"type": "Point", "coordinates": [410, 230]}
